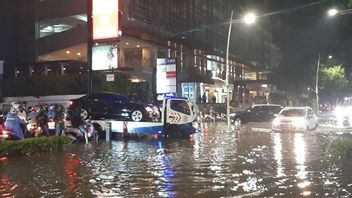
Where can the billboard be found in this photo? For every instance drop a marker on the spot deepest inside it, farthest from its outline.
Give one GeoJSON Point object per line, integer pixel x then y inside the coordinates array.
{"type": "Point", "coordinates": [105, 16]}
{"type": "Point", "coordinates": [104, 57]}
{"type": "Point", "coordinates": [166, 76]}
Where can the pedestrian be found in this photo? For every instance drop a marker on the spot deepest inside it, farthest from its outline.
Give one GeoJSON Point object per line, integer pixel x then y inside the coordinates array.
{"type": "Point", "coordinates": [59, 119]}
{"type": "Point", "coordinates": [204, 98]}
{"type": "Point", "coordinates": [214, 99]}
{"type": "Point", "coordinates": [199, 100]}
{"type": "Point", "coordinates": [22, 112]}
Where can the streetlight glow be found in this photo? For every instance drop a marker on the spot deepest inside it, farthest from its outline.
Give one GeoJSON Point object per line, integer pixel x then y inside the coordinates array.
{"type": "Point", "coordinates": [333, 12]}
{"type": "Point", "coordinates": [249, 18]}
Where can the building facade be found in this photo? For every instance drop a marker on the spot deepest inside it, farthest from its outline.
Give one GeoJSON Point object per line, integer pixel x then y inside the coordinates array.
{"type": "Point", "coordinates": [194, 32]}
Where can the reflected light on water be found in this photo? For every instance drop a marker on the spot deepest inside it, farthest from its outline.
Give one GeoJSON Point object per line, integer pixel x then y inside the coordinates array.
{"type": "Point", "coordinates": [164, 173]}
{"type": "Point", "coordinates": [70, 167]}
{"type": "Point", "coordinates": [300, 148]}
{"type": "Point", "coordinates": [7, 187]}
{"type": "Point", "coordinates": [278, 155]}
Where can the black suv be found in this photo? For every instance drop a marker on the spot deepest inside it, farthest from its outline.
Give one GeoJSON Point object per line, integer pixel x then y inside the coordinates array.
{"type": "Point", "coordinates": [113, 106]}
{"type": "Point", "coordinates": [256, 113]}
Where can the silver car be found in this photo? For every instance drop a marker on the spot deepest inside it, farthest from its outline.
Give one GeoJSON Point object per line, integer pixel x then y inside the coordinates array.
{"type": "Point", "coordinates": [295, 119]}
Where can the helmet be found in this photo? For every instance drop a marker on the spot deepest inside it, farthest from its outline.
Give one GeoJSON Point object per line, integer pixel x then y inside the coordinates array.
{"type": "Point", "coordinates": [52, 107]}
{"type": "Point", "coordinates": [14, 108]}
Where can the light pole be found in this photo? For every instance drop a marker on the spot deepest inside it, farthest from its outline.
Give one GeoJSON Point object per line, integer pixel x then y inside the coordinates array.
{"type": "Point", "coordinates": [248, 19]}
{"type": "Point", "coordinates": [227, 73]}
{"type": "Point", "coordinates": [316, 84]}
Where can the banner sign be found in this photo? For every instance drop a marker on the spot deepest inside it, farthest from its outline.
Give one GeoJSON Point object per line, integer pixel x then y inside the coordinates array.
{"type": "Point", "coordinates": [104, 57]}
{"type": "Point", "coordinates": [166, 75]}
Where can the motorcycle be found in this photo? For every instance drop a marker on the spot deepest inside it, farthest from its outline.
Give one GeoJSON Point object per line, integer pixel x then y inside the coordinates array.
{"type": "Point", "coordinates": [76, 134]}
{"type": "Point", "coordinates": [7, 134]}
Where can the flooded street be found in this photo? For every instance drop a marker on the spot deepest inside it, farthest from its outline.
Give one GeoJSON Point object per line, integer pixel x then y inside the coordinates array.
{"type": "Point", "coordinates": [250, 162]}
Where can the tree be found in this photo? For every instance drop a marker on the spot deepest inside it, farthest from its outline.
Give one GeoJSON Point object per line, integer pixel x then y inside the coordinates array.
{"type": "Point", "coordinates": [333, 83]}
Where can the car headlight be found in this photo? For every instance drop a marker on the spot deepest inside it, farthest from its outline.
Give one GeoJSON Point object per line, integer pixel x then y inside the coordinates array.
{"type": "Point", "coordinates": [124, 110]}
{"type": "Point", "coordinates": [148, 109]}
{"type": "Point", "coordinates": [299, 122]}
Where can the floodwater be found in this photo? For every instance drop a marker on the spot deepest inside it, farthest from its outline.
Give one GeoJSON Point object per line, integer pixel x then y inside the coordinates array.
{"type": "Point", "coordinates": [212, 163]}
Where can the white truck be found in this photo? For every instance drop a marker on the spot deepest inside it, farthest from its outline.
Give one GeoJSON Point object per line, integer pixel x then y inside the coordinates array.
{"type": "Point", "coordinates": [177, 117]}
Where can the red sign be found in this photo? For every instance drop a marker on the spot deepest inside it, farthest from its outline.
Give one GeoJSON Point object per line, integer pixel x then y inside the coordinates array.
{"type": "Point", "coordinates": [171, 74]}
{"type": "Point", "coordinates": [105, 19]}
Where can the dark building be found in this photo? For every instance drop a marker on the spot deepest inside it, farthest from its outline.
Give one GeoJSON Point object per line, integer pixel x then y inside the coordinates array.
{"type": "Point", "coordinates": [194, 32]}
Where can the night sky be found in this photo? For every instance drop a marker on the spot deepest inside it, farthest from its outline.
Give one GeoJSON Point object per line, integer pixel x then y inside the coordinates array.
{"type": "Point", "coordinates": [302, 30]}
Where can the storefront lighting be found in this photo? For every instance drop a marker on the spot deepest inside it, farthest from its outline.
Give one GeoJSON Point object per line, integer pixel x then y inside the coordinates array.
{"type": "Point", "coordinates": [138, 46]}
{"type": "Point", "coordinates": [127, 43]}
{"type": "Point", "coordinates": [78, 54]}
{"type": "Point", "coordinates": [96, 44]}
{"type": "Point", "coordinates": [68, 52]}
{"type": "Point", "coordinates": [136, 80]}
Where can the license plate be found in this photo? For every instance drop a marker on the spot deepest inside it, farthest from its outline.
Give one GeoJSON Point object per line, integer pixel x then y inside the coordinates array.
{"type": "Point", "coordinates": [51, 125]}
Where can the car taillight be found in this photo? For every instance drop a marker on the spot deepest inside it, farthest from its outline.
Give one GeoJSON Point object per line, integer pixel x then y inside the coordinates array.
{"type": "Point", "coordinates": [5, 132]}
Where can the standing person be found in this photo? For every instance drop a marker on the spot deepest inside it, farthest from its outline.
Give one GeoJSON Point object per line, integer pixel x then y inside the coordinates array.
{"type": "Point", "coordinates": [199, 99]}
{"type": "Point", "coordinates": [214, 99]}
{"type": "Point", "coordinates": [204, 98]}
{"type": "Point", "coordinates": [59, 118]}
{"type": "Point", "coordinates": [42, 119]}
{"type": "Point", "coordinates": [22, 113]}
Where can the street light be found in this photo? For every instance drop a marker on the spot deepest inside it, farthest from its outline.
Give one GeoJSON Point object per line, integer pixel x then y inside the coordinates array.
{"type": "Point", "coordinates": [332, 12]}
{"type": "Point", "coordinates": [249, 18]}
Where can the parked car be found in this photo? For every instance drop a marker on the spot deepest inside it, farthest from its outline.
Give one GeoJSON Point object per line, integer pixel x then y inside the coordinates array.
{"type": "Point", "coordinates": [256, 113]}
{"type": "Point", "coordinates": [113, 106]}
{"type": "Point", "coordinates": [295, 119]}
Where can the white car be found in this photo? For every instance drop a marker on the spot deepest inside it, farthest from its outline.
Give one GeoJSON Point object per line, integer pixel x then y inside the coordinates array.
{"type": "Point", "coordinates": [295, 119]}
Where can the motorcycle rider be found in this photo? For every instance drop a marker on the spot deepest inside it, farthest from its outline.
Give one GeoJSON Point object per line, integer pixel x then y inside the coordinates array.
{"type": "Point", "coordinates": [13, 122]}
{"type": "Point", "coordinates": [78, 122]}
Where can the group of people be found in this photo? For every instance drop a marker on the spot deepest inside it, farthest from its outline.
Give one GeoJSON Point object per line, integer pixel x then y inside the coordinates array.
{"type": "Point", "coordinates": [203, 98]}
{"type": "Point", "coordinates": [50, 119]}
{"type": "Point", "coordinates": [46, 120]}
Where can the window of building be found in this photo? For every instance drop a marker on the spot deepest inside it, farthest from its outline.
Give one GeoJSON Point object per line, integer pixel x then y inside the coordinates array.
{"type": "Point", "coordinates": [145, 9]}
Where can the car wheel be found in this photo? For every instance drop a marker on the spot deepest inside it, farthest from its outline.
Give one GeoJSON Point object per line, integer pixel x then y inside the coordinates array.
{"type": "Point", "coordinates": [84, 113]}
{"type": "Point", "coordinates": [137, 115]}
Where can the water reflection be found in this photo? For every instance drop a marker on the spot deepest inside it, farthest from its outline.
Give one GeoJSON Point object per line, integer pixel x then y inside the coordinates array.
{"type": "Point", "coordinates": [214, 163]}
{"type": "Point", "coordinates": [300, 156]}
{"type": "Point", "coordinates": [278, 155]}
{"type": "Point", "coordinates": [7, 187]}
{"type": "Point", "coordinates": [70, 167]}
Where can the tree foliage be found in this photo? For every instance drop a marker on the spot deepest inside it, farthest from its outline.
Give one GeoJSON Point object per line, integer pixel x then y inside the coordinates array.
{"type": "Point", "coordinates": [332, 82]}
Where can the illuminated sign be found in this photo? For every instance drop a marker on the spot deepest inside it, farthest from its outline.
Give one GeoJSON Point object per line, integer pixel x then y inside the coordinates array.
{"type": "Point", "coordinates": [166, 75]}
{"type": "Point", "coordinates": [104, 57]}
{"type": "Point", "coordinates": [105, 19]}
